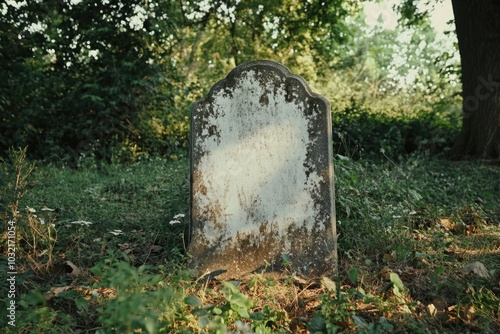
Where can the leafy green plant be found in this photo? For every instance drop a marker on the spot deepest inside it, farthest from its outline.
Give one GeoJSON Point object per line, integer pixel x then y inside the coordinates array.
{"type": "Point", "coordinates": [142, 301]}
{"type": "Point", "coordinates": [398, 288]}
{"type": "Point", "coordinates": [34, 315]}
{"type": "Point", "coordinates": [215, 319]}
{"type": "Point", "coordinates": [381, 326]}
{"type": "Point", "coordinates": [337, 306]}
{"type": "Point", "coordinates": [359, 131]}
{"type": "Point", "coordinates": [236, 311]}
{"type": "Point", "coordinates": [480, 305]}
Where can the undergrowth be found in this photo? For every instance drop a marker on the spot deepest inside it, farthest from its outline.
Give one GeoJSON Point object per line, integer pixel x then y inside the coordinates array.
{"type": "Point", "coordinates": [419, 248]}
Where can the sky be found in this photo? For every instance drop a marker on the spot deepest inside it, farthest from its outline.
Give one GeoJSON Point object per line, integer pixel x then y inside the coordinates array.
{"type": "Point", "coordinates": [441, 14]}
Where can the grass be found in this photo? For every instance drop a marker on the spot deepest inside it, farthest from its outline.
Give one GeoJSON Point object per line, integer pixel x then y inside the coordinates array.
{"type": "Point", "coordinates": [414, 239]}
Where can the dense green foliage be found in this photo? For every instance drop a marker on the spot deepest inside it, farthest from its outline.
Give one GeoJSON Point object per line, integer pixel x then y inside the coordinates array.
{"type": "Point", "coordinates": [360, 131]}
{"type": "Point", "coordinates": [82, 76]}
{"type": "Point", "coordinates": [115, 79]}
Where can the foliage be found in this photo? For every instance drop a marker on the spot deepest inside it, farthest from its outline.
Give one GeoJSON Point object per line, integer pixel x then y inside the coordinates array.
{"type": "Point", "coordinates": [300, 34]}
{"type": "Point", "coordinates": [35, 315]}
{"type": "Point", "coordinates": [116, 79]}
{"type": "Point", "coordinates": [361, 131]}
{"type": "Point", "coordinates": [84, 74]}
{"type": "Point", "coordinates": [142, 301]}
{"type": "Point", "coordinates": [89, 82]}
{"type": "Point", "coordinates": [236, 309]}
{"type": "Point", "coordinates": [339, 311]}
{"type": "Point", "coordinates": [380, 64]}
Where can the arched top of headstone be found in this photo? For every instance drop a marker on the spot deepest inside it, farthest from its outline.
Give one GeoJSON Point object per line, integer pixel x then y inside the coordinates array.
{"type": "Point", "coordinates": [267, 68]}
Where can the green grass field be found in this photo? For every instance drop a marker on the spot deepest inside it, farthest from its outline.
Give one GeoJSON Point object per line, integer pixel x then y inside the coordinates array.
{"type": "Point", "coordinates": [101, 248]}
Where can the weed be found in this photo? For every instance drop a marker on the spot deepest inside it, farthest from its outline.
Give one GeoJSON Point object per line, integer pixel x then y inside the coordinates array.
{"type": "Point", "coordinates": [16, 172]}
{"type": "Point", "coordinates": [35, 315]}
{"type": "Point", "coordinates": [35, 233]}
{"type": "Point", "coordinates": [236, 312]}
{"type": "Point", "coordinates": [139, 300]}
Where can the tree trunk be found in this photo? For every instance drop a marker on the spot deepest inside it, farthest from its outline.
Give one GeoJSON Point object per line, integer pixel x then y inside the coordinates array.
{"type": "Point", "coordinates": [478, 30]}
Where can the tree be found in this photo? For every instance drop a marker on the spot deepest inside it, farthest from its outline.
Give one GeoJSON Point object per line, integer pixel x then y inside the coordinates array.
{"type": "Point", "coordinates": [83, 74]}
{"type": "Point", "coordinates": [119, 76]}
{"type": "Point", "coordinates": [478, 30]}
{"type": "Point", "coordinates": [305, 35]}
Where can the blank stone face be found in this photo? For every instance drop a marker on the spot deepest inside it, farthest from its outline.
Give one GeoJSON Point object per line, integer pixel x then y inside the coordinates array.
{"type": "Point", "coordinates": [262, 176]}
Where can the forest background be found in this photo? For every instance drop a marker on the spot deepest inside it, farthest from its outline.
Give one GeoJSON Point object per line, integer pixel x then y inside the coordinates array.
{"type": "Point", "coordinates": [117, 80]}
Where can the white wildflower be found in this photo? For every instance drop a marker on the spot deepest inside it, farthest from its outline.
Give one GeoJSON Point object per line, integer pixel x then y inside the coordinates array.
{"type": "Point", "coordinates": [179, 216]}
{"type": "Point", "coordinates": [30, 210]}
{"type": "Point", "coordinates": [47, 209]}
{"type": "Point", "coordinates": [81, 222]}
{"type": "Point", "coordinates": [116, 232]}
{"type": "Point", "coordinates": [173, 222]}
{"type": "Point", "coordinates": [94, 54]}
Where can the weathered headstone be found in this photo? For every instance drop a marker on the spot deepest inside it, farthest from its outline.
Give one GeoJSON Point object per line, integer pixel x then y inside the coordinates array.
{"type": "Point", "coordinates": [262, 175]}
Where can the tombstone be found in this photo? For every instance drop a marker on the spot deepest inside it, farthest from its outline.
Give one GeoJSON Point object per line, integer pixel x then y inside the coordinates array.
{"type": "Point", "coordinates": [262, 195]}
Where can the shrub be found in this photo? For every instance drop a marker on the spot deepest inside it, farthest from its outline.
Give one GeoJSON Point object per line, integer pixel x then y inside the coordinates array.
{"type": "Point", "coordinates": [359, 130]}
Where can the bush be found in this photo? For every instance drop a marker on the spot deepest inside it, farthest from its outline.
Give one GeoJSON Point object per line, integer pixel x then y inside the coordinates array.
{"type": "Point", "coordinates": [358, 130]}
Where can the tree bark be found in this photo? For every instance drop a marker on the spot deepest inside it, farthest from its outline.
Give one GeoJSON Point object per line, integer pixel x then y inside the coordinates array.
{"type": "Point", "coordinates": [478, 30]}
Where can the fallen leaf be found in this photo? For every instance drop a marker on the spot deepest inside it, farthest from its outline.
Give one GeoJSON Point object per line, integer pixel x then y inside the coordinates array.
{"type": "Point", "coordinates": [471, 229]}
{"type": "Point", "coordinates": [467, 313]}
{"type": "Point", "coordinates": [447, 224]}
{"type": "Point", "coordinates": [56, 290]}
{"type": "Point", "coordinates": [327, 283]}
{"type": "Point", "coordinates": [432, 310]}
